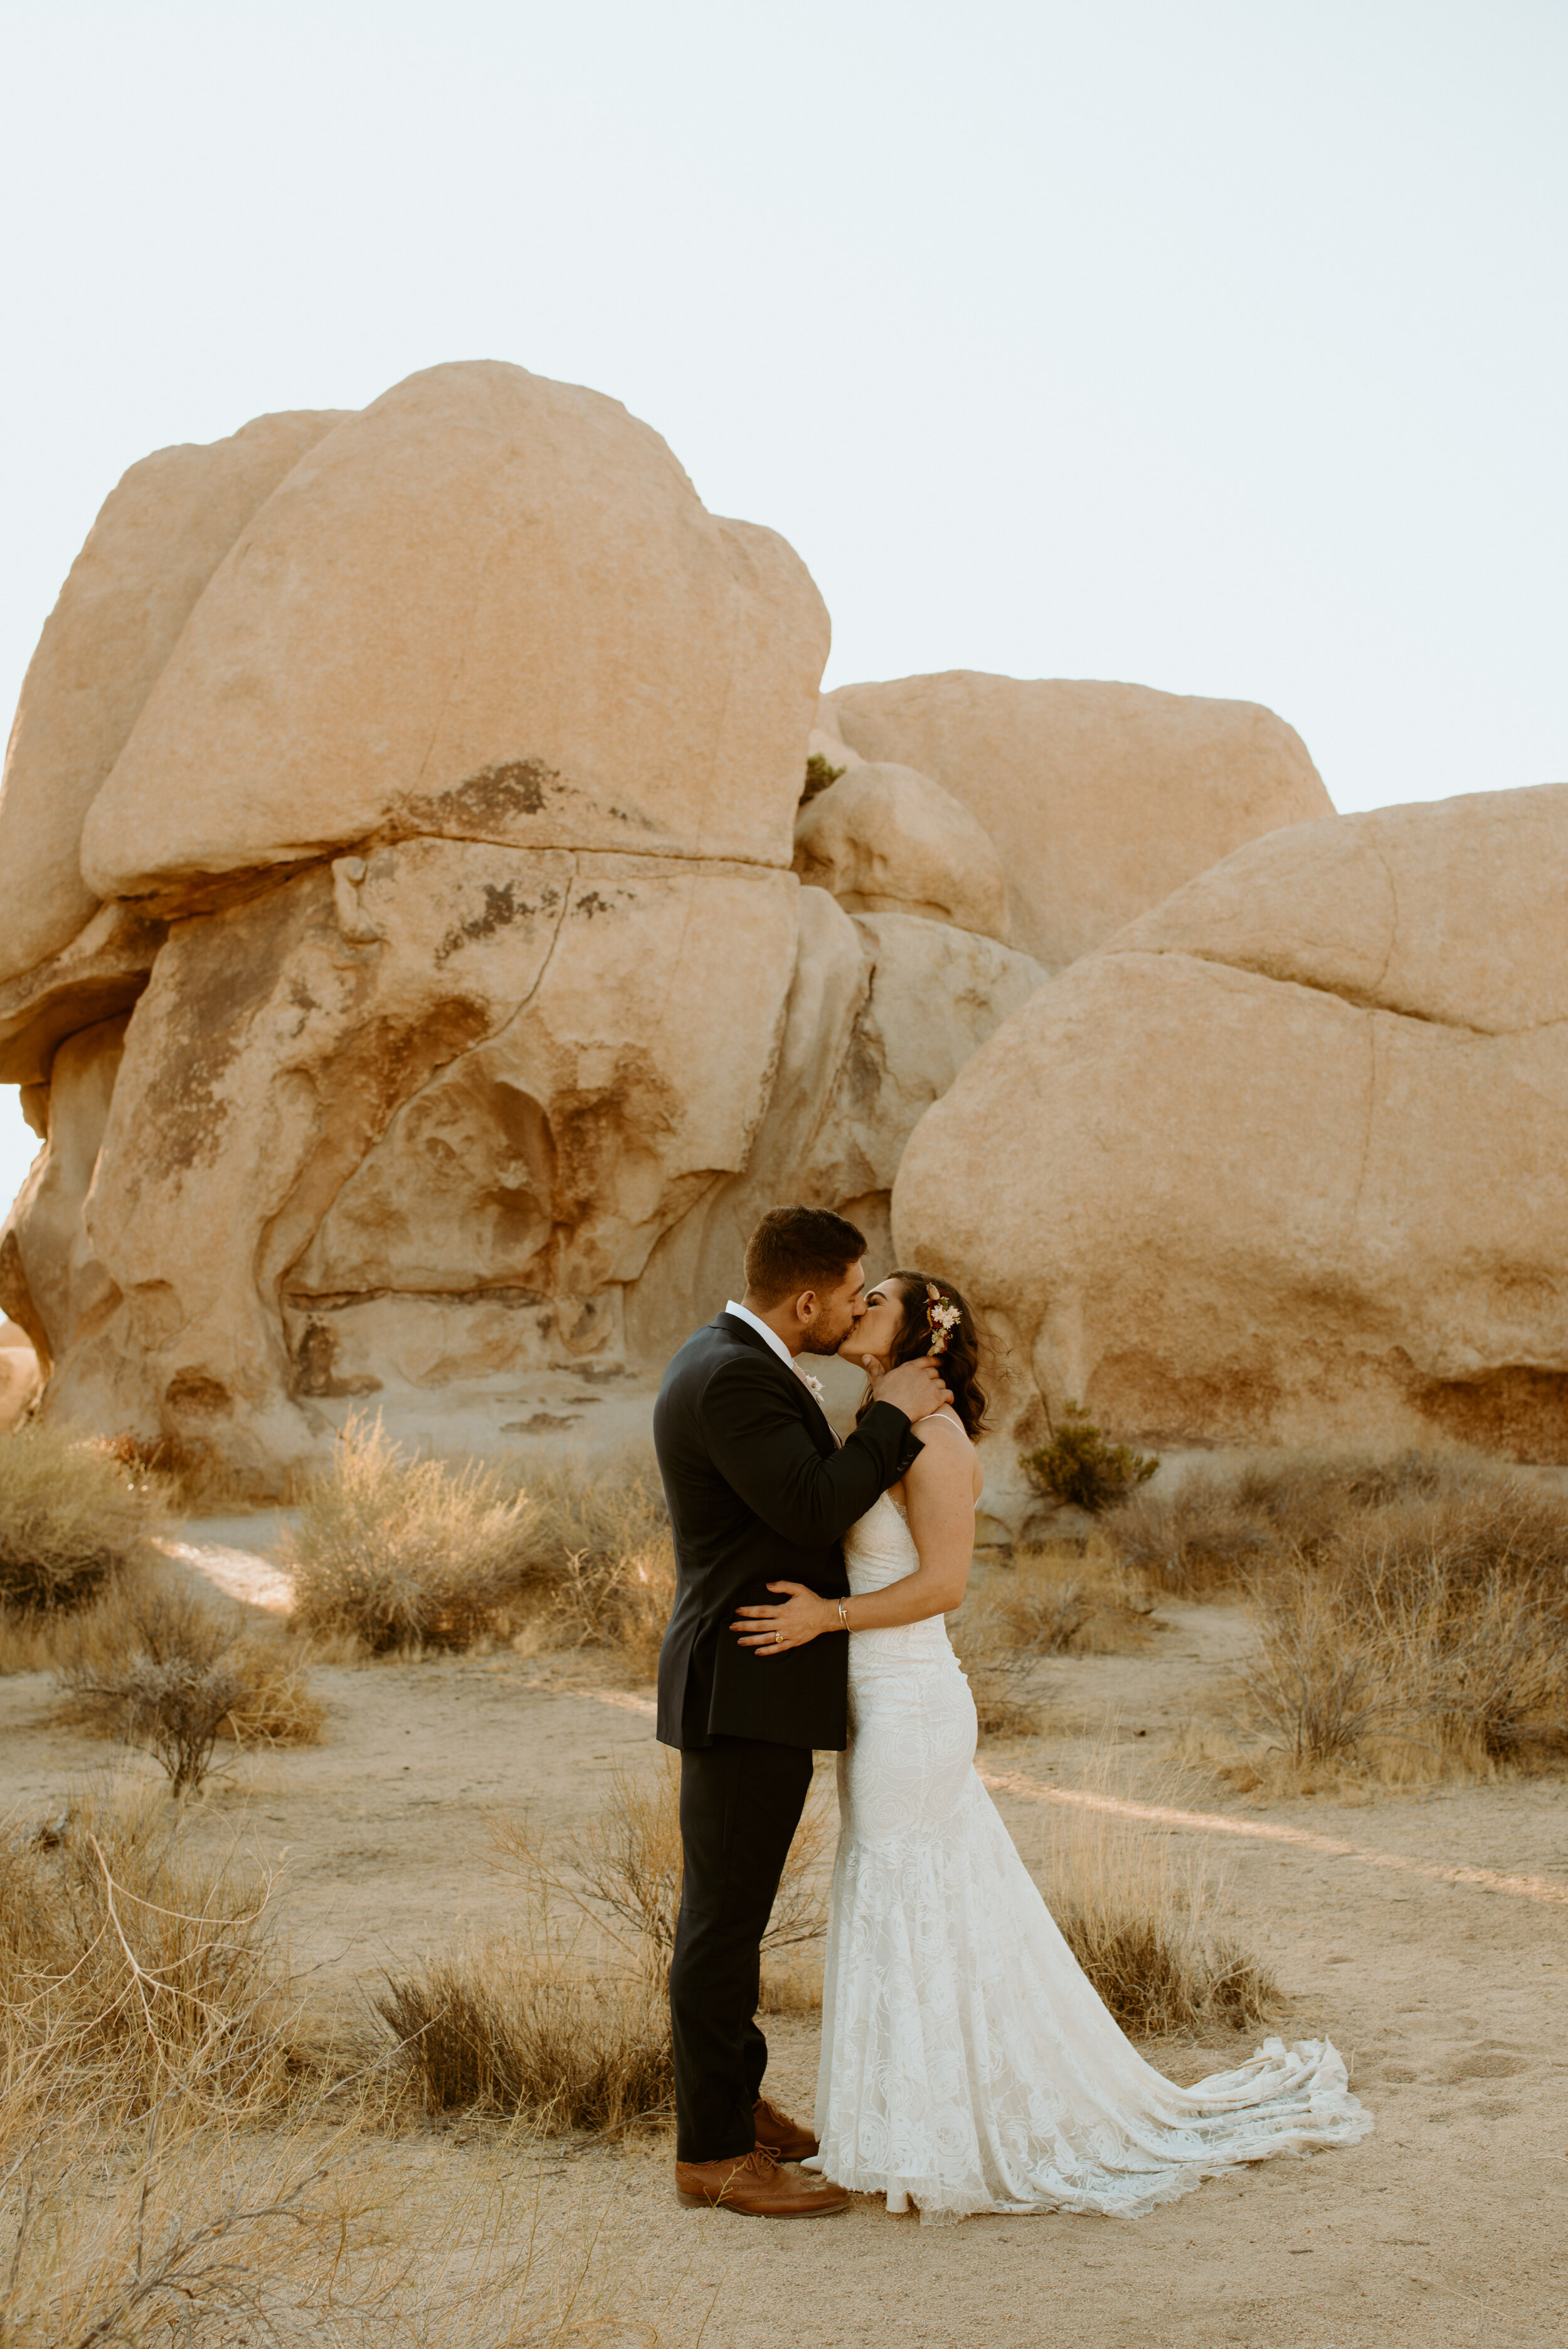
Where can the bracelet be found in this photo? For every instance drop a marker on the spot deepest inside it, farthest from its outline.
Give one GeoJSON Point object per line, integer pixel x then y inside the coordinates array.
{"type": "Point", "coordinates": [843, 1618]}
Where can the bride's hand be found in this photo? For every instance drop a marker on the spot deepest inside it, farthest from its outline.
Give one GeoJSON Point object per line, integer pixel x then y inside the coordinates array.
{"type": "Point", "coordinates": [774, 1631]}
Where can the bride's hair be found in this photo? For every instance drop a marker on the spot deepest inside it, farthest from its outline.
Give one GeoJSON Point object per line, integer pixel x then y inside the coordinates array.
{"type": "Point", "coordinates": [959, 1358]}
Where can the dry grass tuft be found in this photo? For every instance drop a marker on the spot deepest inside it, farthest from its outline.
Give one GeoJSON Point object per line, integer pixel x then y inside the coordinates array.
{"type": "Point", "coordinates": [506, 2029]}
{"type": "Point", "coordinates": [1067, 1598]}
{"type": "Point", "coordinates": [169, 2165]}
{"type": "Point", "coordinates": [71, 1519]}
{"type": "Point", "coordinates": [568, 2029]}
{"type": "Point", "coordinates": [1412, 1612]}
{"type": "Point", "coordinates": [1138, 1924]}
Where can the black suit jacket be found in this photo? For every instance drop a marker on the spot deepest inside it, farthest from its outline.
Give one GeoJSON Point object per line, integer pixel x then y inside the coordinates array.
{"type": "Point", "coordinates": [759, 1492]}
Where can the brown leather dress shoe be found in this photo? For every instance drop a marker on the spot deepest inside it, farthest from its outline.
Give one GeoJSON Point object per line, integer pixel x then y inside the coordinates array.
{"type": "Point", "coordinates": [777, 2134]}
{"type": "Point", "coordinates": [754, 2185]}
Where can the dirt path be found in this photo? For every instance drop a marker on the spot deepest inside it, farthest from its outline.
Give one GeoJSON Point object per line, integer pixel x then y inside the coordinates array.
{"type": "Point", "coordinates": [1447, 1990]}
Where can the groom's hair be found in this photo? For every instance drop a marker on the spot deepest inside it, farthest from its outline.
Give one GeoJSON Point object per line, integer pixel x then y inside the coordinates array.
{"type": "Point", "coordinates": [794, 1248]}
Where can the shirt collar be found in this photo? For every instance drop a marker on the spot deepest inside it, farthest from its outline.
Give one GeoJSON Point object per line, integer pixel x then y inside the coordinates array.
{"type": "Point", "coordinates": [774, 1340]}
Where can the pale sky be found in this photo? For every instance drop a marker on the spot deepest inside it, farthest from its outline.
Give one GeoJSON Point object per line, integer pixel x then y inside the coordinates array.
{"type": "Point", "coordinates": [1219, 344]}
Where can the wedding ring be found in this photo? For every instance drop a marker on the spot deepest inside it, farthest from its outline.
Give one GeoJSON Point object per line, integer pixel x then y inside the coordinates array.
{"type": "Point", "coordinates": [778, 1638]}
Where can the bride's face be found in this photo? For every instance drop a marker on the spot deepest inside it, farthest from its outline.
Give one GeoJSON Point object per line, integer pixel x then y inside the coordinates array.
{"type": "Point", "coordinates": [870, 1342]}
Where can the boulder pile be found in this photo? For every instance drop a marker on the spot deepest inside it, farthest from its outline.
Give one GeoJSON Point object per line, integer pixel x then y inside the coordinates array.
{"type": "Point", "coordinates": [417, 952]}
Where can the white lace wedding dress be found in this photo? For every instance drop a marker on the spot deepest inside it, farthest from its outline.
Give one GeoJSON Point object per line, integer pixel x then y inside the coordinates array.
{"type": "Point", "coordinates": [967, 2064]}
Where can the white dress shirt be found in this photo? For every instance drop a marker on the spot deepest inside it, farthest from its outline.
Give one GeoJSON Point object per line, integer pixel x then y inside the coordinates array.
{"type": "Point", "coordinates": [774, 1340]}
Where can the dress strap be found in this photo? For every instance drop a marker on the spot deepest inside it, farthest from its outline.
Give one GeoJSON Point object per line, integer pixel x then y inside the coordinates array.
{"type": "Point", "coordinates": [947, 1418]}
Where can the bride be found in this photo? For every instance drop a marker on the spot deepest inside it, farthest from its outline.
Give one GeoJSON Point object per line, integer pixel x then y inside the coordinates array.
{"type": "Point", "coordinates": [967, 2064]}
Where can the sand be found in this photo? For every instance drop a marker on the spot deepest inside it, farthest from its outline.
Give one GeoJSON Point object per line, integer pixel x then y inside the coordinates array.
{"type": "Point", "coordinates": [1430, 1940]}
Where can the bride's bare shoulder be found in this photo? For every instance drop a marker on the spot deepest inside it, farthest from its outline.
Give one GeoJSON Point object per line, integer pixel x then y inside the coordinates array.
{"type": "Point", "coordinates": [946, 1419]}
{"type": "Point", "coordinates": [947, 1451]}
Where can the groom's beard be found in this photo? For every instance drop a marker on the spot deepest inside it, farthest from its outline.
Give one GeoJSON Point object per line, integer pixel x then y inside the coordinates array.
{"type": "Point", "coordinates": [818, 1340]}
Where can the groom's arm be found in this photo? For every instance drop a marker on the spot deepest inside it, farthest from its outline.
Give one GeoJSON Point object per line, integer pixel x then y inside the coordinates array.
{"type": "Point", "coordinates": [757, 1441]}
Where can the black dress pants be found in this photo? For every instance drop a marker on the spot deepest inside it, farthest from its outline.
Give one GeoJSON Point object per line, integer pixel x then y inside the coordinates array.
{"type": "Point", "coordinates": [741, 1801]}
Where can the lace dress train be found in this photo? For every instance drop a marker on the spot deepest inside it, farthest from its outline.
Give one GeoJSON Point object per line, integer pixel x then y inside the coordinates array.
{"type": "Point", "coordinates": [967, 2064]}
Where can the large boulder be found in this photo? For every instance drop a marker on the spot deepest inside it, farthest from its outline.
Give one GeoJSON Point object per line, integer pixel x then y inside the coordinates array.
{"type": "Point", "coordinates": [883, 840]}
{"type": "Point", "coordinates": [1102, 799]}
{"type": "Point", "coordinates": [147, 562]}
{"type": "Point", "coordinates": [488, 607]}
{"type": "Point", "coordinates": [1288, 1159]}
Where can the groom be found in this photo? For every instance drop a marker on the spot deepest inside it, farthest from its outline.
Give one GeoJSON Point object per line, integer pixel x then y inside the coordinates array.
{"type": "Point", "coordinates": [759, 1490]}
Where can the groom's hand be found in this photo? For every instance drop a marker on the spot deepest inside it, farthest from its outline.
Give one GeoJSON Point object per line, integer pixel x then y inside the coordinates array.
{"type": "Point", "coordinates": [914, 1388]}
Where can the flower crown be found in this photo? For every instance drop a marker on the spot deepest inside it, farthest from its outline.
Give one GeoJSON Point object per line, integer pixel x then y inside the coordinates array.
{"type": "Point", "coordinates": [942, 1317]}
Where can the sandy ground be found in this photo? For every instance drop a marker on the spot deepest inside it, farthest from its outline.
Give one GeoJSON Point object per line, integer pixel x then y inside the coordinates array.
{"type": "Point", "coordinates": [1428, 1934]}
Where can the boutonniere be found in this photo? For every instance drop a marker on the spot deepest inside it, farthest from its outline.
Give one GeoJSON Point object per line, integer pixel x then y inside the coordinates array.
{"type": "Point", "coordinates": [815, 1384]}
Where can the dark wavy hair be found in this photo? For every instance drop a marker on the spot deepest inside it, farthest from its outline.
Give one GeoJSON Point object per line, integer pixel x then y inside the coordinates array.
{"type": "Point", "coordinates": [960, 1358]}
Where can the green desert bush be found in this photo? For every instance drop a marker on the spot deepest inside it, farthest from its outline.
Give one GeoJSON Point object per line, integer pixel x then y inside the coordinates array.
{"type": "Point", "coordinates": [1078, 1466]}
{"type": "Point", "coordinates": [71, 1519]}
{"type": "Point", "coordinates": [820, 775]}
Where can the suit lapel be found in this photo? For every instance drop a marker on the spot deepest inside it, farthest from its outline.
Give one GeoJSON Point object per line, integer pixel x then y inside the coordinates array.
{"type": "Point", "coordinates": [811, 1411]}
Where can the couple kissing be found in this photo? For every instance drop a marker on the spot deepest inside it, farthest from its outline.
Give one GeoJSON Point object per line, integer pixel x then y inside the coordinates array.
{"type": "Point", "coordinates": [967, 2064]}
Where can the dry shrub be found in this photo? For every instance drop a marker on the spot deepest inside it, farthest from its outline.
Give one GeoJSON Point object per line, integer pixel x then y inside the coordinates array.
{"type": "Point", "coordinates": [502, 2028]}
{"type": "Point", "coordinates": [171, 1670]}
{"type": "Point", "coordinates": [568, 2029]}
{"type": "Point", "coordinates": [170, 2162]}
{"type": "Point", "coordinates": [1217, 1531]}
{"type": "Point", "coordinates": [404, 1553]}
{"type": "Point", "coordinates": [602, 1546]}
{"type": "Point", "coordinates": [1412, 1612]}
{"type": "Point", "coordinates": [1138, 1924]}
{"type": "Point", "coordinates": [128, 1970]}
{"type": "Point", "coordinates": [194, 1479]}
{"type": "Point", "coordinates": [302, 2232]}
{"type": "Point", "coordinates": [1440, 1621]}
{"type": "Point", "coordinates": [26, 1642]}
{"type": "Point", "coordinates": [71, 1519]}
{"type": "Point", "coordinates": [1067, 1598]}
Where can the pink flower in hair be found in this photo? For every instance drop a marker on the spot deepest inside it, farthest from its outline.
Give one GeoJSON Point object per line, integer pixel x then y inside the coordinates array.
{"type": "Point", "coordinates": [942, 1317]}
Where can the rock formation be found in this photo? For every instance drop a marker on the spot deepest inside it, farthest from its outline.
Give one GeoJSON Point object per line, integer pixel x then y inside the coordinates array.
{"type": "Point", "coordinates": [1100, 799]}
{"type": "Point", "coordinates": [406, 964]}
{"type": "Point", "coordinates": [1287, 1160]}
{"type": "Point", "coordinates": [884, 839]}
{"type": "Point", "coordinates": [19, 1374]}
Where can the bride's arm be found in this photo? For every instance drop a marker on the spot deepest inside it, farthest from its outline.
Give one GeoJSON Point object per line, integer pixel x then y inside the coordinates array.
{"type": "Point", "coordinates": [940, 1488]}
